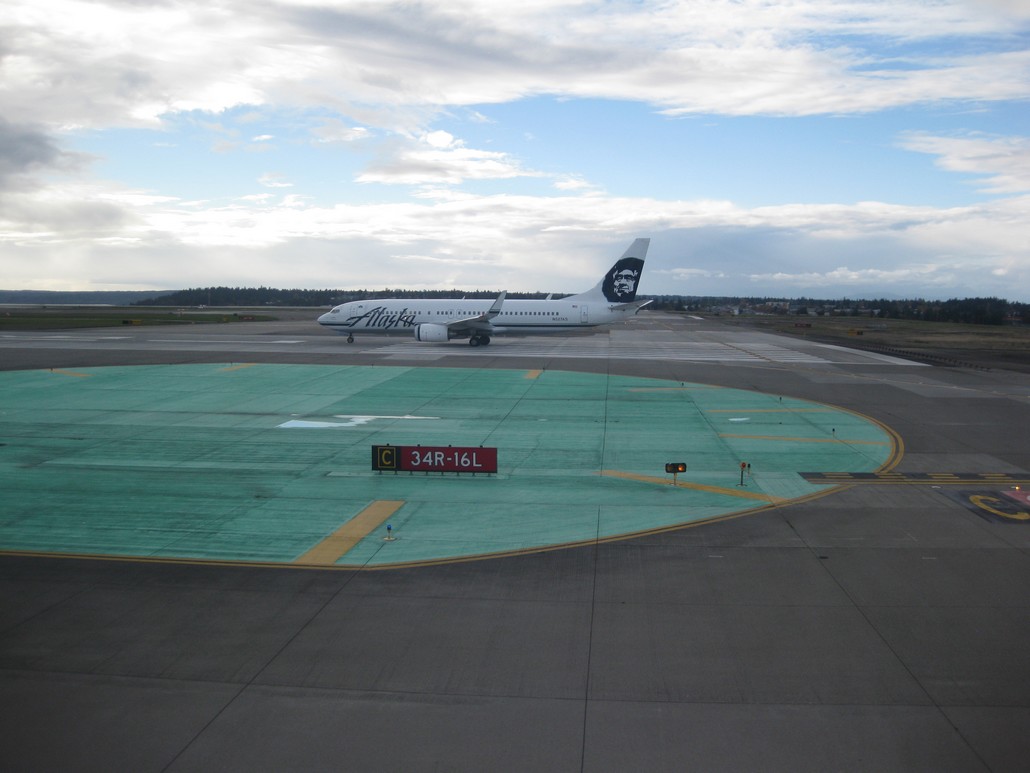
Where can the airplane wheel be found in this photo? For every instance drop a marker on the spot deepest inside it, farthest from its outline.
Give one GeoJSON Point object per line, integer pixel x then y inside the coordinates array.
{"type": "Point", "coordinates": [474, 341]}
{"type": "Point", "coordinates": [350, 339]}
{"type": "Point", "coordinates": [484, 340]}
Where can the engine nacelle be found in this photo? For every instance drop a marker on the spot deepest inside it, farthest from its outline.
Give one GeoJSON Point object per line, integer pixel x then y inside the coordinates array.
{"type": "Point", "coordinates": [428, 332]}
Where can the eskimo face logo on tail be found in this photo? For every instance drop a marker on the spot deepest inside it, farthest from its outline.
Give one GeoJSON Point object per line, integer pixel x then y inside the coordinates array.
{"type": "Point", "coordinates": [379, 317]}
{"type": "Point", "coordinates": [620, 284]}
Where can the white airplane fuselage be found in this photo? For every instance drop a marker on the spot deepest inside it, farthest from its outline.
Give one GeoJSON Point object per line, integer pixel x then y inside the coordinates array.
{"type": "Point", "coordinates": [441, 320]}
{"type": "Point", "coordinates": [401, 316]}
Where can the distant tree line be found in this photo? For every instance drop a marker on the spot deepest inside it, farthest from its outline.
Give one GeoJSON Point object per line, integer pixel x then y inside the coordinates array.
{"type": "Point", "coordinates": [977, 311]}
{"type": "Point", "coordinates": [242, 296]}
{"type": "Point", "coordinates": [269, 296]}
{"type": "Point", "coordinates": [88, 297]}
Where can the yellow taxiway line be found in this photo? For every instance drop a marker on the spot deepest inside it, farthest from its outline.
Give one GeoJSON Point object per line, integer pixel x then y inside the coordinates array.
{"type": "Point", "coordinates": [768, 410]}
{"type": "Point", "coordinates": [806, 439]}
{"type": "Point", "coordinates": [740, 493]}
{"type": "Point", "coordinates": [332, 548]}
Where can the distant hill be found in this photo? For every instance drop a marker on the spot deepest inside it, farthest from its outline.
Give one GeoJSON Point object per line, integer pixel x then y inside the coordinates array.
{"type": "Point", "coordinates": [105, 297]}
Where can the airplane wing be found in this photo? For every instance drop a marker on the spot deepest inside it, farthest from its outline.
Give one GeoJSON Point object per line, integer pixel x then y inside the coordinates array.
{"type": "Point", "coordinates": [480, 321]}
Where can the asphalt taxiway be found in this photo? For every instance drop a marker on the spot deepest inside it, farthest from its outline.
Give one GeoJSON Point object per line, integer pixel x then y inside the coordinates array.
{"type": "Point", "coordinates": [879, 627]}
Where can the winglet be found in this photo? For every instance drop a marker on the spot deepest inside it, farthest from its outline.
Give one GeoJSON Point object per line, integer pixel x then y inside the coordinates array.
{"type": "Point", "coordinates": [495, 309]}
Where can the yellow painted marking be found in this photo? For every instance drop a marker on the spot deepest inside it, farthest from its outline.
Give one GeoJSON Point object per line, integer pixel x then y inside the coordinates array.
{"type": "Point", "coordinates": [534, 373]}
{"type": "Point", "coordinates": [691, 388]}
{"type": "Point", "coordinates": [335, 546]}
{"type": "Point", "coordinates": [71, 373]}
{"type": "Point", "coordinates": [882, 479]}
{"type": "Point", "coordinates": [805, 439]}
{"type": "Point", "coordinates": [981, 502]}
{"type": "Point", "coordinates": [769, 410]}
{"type": "Point", "coordinates": [730, 492]}
{"type": "Point", "coordinates": [239, 367]}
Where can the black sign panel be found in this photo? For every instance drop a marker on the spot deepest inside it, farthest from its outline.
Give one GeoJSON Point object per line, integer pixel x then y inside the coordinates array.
{"type": "Point", "coordinates": [434, 458]}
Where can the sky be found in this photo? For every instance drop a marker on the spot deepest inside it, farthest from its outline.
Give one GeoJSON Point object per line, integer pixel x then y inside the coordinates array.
{"type": "Point", "coordinates": [786, 148]}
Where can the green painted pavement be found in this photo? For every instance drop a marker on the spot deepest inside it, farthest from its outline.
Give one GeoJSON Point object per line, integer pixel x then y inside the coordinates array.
{"type": "Point", "coordinates": [261, 463]}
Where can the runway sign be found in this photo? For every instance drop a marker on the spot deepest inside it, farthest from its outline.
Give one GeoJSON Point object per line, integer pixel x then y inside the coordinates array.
{"type": "Point", "coordinates": [434, 459]}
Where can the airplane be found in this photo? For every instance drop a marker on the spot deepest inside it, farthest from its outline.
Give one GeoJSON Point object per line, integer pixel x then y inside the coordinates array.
{"type": "Point", "coordinates": [612, 300]}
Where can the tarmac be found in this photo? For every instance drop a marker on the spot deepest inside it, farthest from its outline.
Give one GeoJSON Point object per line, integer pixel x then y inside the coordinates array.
{"type": "Point", "coordinates": [267, 463]}
{"type": "Point", "coordinates": [575, 611]}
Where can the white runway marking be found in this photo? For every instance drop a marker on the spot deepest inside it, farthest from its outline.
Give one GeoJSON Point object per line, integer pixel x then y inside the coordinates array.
{"type": "Point", "coordinates": [235, 341]}
{"type": "Point", "coordinates": [355, 420]}
{"type": "Point", "coordinates": [603, 349]}
{"type": "Point", "coordinates": [626, 344]}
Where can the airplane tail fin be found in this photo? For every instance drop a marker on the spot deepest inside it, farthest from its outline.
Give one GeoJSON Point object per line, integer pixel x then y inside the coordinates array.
{"type": "Point", "coordinates": [619, 284]}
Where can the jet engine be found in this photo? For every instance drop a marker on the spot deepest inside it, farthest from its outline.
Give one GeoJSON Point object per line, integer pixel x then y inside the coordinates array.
{"type": "Point", "coordinates": [428, 332]}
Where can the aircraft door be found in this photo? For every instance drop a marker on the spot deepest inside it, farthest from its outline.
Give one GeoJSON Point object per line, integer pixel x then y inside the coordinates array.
{"type": "Point", "coordinates": [584, 316]}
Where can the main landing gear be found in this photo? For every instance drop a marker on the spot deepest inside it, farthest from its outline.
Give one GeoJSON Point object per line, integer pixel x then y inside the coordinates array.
{"type": "Point", "coordinates": [479, 340]}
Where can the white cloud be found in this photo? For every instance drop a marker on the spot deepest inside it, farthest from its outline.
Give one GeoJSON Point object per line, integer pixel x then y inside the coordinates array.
{"type": "Point", "coordinates": [926, 275]}
{"type": "Point", "coordinates": [521, 243]}
{"type": "Point", "coordinates": [373, 77]}
{"type": "Point", "coordinates": [687, 274]}
{"type": "Point", "coordinates": [275, 180]}
{"type": "Point", "coordinates": [440, 140]}
{"type": "Point", "coordinates": [437, 158]}
{"type": "Point", "coordinates": [573, 184]}
{"type": "Point", "coordinates": [1004, 161]}
{"type": "Point", "coordinates": [335, 130]}
{"type": "Point", "coordinates": [78, 63]}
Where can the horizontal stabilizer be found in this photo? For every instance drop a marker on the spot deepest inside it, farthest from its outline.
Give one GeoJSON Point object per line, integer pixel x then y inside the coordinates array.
{"type": "Point", "coordinates": [636, 305]}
